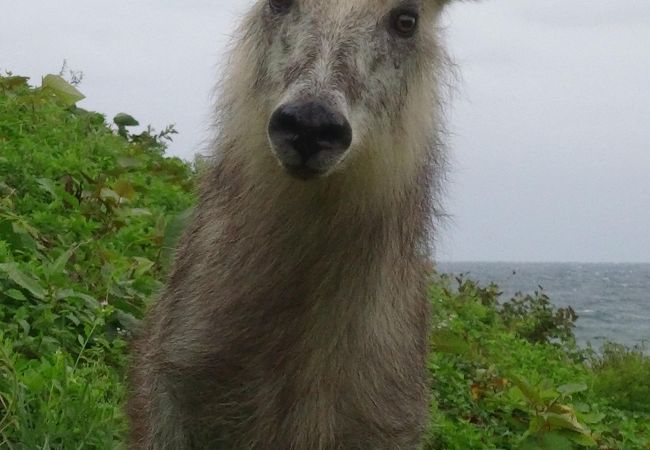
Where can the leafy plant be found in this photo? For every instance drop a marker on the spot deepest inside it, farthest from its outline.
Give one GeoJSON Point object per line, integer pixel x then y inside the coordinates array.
{"type": "Point", "coordinates": [498, 387]}
{"type": "Point", "coordinates": [622, 377]}
{"type": "Point", "coordinates": [83, 220]}
{"type": "Point", "coordinates": [534, 318]}
{"type": "Point", "coordinates": [553, 422]}
{"type": "Point", "coordinates": [123, 120]}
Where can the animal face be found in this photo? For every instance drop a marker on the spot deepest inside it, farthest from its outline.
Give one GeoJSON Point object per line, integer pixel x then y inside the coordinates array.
{"type": "Point", "coordinates": [335, 79]}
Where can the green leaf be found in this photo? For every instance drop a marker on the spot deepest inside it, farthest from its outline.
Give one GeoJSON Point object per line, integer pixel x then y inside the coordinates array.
{"type": "Point", "coordinates": [58, 266]}
{"type": "Point", "coordinates": [24, 325]}
{"type": "Point", "coordinates": [73, 318]}
{"type": "Point", "coordinates": [594, 417]}
{"type": "Point", "coordinates": [581, 407]}
{"type": "Point", "coordinates": [49, 186]}
{"type": "Point", "coordinates": [530, 392]}
{"type": "Point", "coordinates": [572, 388]}
{"type": "Point", "coordinates": [581, 439]}
{"type": "Point", "coordinates": [556, 441]}
{"type": "Point", "coordinates": [91, 301]}
{"type": "Point", "coordinates": [446, 341]}
{"type": "Point", "coordinates": [25, 228]}
{"type": "Point", "coordinates": [548, 394]}
{"type": "Point", "coordinates": [15, 294]}
{"type": "Point", "coordinates": [124, 189]}
{"type": "Point", "coordinates": [567, 422]}
{"type": "Point", "coordinates": [109, 194]}
{"type": "Point", "coordinates": [23, 280]}
{"type": "Point", "coordinates": [142, 266]}
{"type": "Point", "coordinates": [125, 120]}
{"type": "Point", "coordinates": [536, 424]}
{"type": "Point", "coordinates": [62, 89]}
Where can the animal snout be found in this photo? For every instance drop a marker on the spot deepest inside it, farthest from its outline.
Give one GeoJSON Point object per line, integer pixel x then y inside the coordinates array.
{"type": "Point", "coordinates": [309, 137]}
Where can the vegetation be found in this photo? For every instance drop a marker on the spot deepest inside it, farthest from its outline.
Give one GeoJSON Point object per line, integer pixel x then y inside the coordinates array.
{"type": "Point", "coordinates": [508, 375]}
{"type": "Point", "coordinates": [84, 214]}
{"type": "Point", "coordinates": [88, 212]}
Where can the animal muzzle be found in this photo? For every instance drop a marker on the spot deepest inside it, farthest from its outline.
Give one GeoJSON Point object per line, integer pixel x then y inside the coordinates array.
{"type": "Point", "coordinates": [309, 138]}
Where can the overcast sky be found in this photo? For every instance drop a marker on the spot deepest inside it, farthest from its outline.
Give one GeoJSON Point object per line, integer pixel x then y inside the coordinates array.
{"type": "Point", "coordinates": [550, 126]}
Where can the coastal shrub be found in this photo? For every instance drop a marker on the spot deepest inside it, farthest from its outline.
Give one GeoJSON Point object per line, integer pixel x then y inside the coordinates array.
{"type": "Point", "coordinates": [534, 318]}
{"type": "Point", "coordinates": [496, 387]}
{"type": "Point", "coordinates": [85, 213]}
{"type": "Point", "coordinates": [622, 377]}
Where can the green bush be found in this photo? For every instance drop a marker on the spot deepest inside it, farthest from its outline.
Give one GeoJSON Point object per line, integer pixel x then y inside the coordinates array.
{"type": "Point", "coordinates": [509, 375]}
{"type": "Point", "coordinates": [622, 377]}
{"type": "Point", "coordinates": [84, 215]}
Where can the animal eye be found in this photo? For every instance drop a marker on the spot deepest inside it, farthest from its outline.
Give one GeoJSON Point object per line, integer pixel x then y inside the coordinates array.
{"type": "Point", "coordinates": [280, 6]}
{"type": "Point", "coordinates": [404, 23]}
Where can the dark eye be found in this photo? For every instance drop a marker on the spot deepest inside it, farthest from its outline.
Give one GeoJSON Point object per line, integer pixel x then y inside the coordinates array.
{"type": "Point", "coordinates": [404, 23]}
{"type": "Point", "coordinates": [280, 6]}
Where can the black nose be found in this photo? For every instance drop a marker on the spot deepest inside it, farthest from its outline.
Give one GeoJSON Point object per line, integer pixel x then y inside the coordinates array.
{"type": "Point", "coordinates": [306, 129]}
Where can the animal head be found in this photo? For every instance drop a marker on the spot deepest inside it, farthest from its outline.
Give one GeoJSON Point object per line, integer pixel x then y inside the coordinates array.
{"type": "Point", "coordinates": [334, 86]}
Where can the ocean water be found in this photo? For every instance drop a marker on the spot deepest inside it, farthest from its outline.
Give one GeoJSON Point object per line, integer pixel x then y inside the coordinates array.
{"type": "Point", "coordinates": [611, 300]}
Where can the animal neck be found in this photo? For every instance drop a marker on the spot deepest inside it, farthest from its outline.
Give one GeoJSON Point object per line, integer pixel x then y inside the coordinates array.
{"type": "Point", "coordinates": [313, 239]}
{"type": "Point", "coordinates": [285, 264]}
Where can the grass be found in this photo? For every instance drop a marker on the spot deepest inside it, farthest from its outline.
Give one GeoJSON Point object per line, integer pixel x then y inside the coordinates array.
{"type": "Point", "coordinates": [88, 214]}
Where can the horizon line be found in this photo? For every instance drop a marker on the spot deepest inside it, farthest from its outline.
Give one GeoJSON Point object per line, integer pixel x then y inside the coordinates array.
{"type": "Point", "coordinates": [498, 261]}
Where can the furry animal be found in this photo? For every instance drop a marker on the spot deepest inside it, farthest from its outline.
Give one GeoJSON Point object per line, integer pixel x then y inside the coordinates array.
{"type": "Point", "coordinates": [295, 316]}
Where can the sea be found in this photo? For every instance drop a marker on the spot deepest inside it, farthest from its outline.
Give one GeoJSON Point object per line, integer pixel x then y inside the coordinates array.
{"type": "Point", "coordinates": [612, 300]}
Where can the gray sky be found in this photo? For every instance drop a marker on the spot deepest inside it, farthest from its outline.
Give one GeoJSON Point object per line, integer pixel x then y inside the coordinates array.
{"type": "Point", "coordinates": [550, 126]}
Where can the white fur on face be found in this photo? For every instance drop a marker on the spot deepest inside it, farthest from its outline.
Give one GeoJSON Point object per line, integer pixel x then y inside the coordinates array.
{"type": "Point", "coordinates": [341, 52]}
